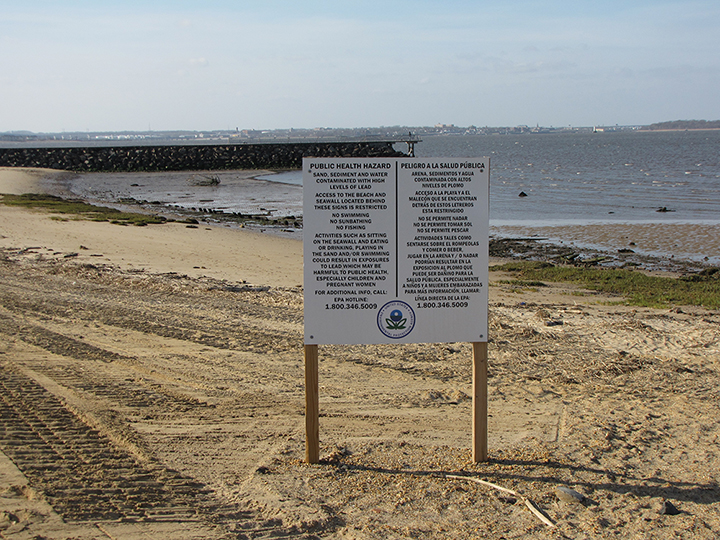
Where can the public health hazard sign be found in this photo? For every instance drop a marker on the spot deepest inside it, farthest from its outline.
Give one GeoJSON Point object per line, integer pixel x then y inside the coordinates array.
{"type": "Point", "coordinates": [395, 250]}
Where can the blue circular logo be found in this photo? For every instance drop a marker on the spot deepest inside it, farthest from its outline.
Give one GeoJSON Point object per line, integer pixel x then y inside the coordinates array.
{"type": "Point", "coordinates": [396, 319]}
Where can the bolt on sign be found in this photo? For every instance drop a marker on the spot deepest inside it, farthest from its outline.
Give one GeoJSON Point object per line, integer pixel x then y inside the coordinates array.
{"type": "Point", "coordinates": [395, 250]}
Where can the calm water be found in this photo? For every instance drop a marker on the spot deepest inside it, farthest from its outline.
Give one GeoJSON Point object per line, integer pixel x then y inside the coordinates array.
{"type": "Point", "coordinates": [623, 176]}
{"type": "Point", "coordinates": [590, 178]}
{"type": "Point", "coordinates": [569, 179]}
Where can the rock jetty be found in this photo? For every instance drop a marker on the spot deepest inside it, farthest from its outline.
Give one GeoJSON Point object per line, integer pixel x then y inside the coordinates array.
{"type": "Point", "coordinates": [188, 157]}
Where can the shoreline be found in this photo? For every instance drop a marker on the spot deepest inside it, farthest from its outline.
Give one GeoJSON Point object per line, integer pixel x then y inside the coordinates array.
{"type": "Point", "coordinates": [170, 248]}
{"type": "Point", "coordinates": [617, 244]}
{"type": "Point", "coordinates": [624, 243]}
{"type": "Point", "coordinates": [672, 130]}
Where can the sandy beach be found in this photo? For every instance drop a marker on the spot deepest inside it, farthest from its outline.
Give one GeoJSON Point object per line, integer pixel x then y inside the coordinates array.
{"type": "Point", "coordinates": [196, 252]}
{"type": "Point", "coordinates": [151, 386]}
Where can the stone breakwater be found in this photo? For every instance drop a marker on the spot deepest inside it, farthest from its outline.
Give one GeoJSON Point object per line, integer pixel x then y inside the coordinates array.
{"type": "Point", "coordinates": [188, 157]}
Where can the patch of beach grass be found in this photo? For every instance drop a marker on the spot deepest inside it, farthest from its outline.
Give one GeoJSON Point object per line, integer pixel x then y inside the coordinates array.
{"type": "Point", "coordinates": [80, 209]}
{"type": "Point", "coordinates": [638, 288]}
{"type": "Point", "coordinates": [522, 283]}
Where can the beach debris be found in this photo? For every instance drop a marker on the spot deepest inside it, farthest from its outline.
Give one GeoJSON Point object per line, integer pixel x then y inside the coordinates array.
{"type": "Point", "coordinates": [568, 257]}
{"type": "Point", "coordinates": [536, 511]}
{"type": "Point", "coordinates": [554, 322]}
{"type": "Point", "coordinates": [594, 261]}
{"type": "Point", "coordinates": [568, 495]}
{"type": "Point", "coordinates": [242, 288]}
{"type": "Point", "coordinates": [334, 455]}
{"type": "Point", "coordinates": [668, 509]}
{"type": "Point", "coordinates": [625, 250]}
{"type": "Point", "coordinates": [435, 395]}
{"type": "Point", "coordinates": [522, 194]}
{"type": "Point", "coordinates": [8, 518]}
{"type": "Point", "coordinates": [204, 180]}
{"type": "Point", "coordinates": [458, 396]}
{"type": "Point", "coordinates": [129, 200]}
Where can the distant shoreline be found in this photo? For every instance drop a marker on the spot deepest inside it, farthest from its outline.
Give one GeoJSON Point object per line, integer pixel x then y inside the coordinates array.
{"type": "Point", "coordinates": [677, 129]}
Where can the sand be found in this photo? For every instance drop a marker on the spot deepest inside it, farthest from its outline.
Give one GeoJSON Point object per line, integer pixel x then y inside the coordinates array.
{"type": "Point", "coordinates": [151, 385]}
{"type": "Point", "coordinates": [19, 181]}
{"type": "Point", "coordinates": [203, 251]}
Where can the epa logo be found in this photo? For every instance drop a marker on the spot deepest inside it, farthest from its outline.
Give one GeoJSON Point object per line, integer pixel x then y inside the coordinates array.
{"type": "Point", "coordinates": [396, 319]}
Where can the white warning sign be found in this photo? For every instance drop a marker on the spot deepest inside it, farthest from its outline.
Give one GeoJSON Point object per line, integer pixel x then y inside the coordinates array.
{"type": "Point", "coordinates": [395, 250]}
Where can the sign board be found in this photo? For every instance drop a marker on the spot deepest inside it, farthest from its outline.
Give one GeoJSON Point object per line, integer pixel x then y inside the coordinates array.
{"type": "Point", "coordinates": [395, 249]}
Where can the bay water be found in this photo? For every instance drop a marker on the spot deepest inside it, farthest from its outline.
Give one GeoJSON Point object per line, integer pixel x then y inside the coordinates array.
{"type": "Point", "coordinates": [565, 179]}
{"type": "Point", "coordinates": [581, 178]}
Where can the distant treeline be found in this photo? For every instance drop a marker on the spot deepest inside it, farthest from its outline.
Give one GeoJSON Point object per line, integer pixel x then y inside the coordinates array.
{"type": "Point", "coordinates": [685, 124]}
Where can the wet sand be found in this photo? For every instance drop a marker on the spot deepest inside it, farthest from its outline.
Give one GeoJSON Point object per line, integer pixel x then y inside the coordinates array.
{"type": "Point", "coordinates": [684, 241]}
{"type": "Point", "coordinates": [215, 252]}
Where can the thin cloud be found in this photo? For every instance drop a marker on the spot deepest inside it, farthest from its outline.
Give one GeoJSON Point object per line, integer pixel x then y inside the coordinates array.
{"type": "Point", "coordinates": [301, 64]}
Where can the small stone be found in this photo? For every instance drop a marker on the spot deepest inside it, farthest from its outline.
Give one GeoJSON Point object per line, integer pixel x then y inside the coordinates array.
{"type": "Point", "coordinates": [569, 495]}
{"type": "Point", "coordinates": [262, 470]}
{"type": "Point", "coordinates": [8, 517]}
{"type": "Point", "coordinates": [668, 509]}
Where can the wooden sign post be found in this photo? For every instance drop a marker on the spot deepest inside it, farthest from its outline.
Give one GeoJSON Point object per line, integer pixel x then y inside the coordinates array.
{"type": "Point", "coordinates": [479, 403]}
{"type": "Point", "coordinates": [396, 251]}
{"type": "Point", "coordinates": [312, 405]}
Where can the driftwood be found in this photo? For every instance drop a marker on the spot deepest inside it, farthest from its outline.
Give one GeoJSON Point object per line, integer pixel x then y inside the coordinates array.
{"type": "Point", "coordinates": [531, 505]}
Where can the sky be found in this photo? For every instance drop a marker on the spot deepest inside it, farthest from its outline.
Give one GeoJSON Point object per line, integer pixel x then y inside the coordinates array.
{"type": "Point", "coordinates": [101, 65]}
